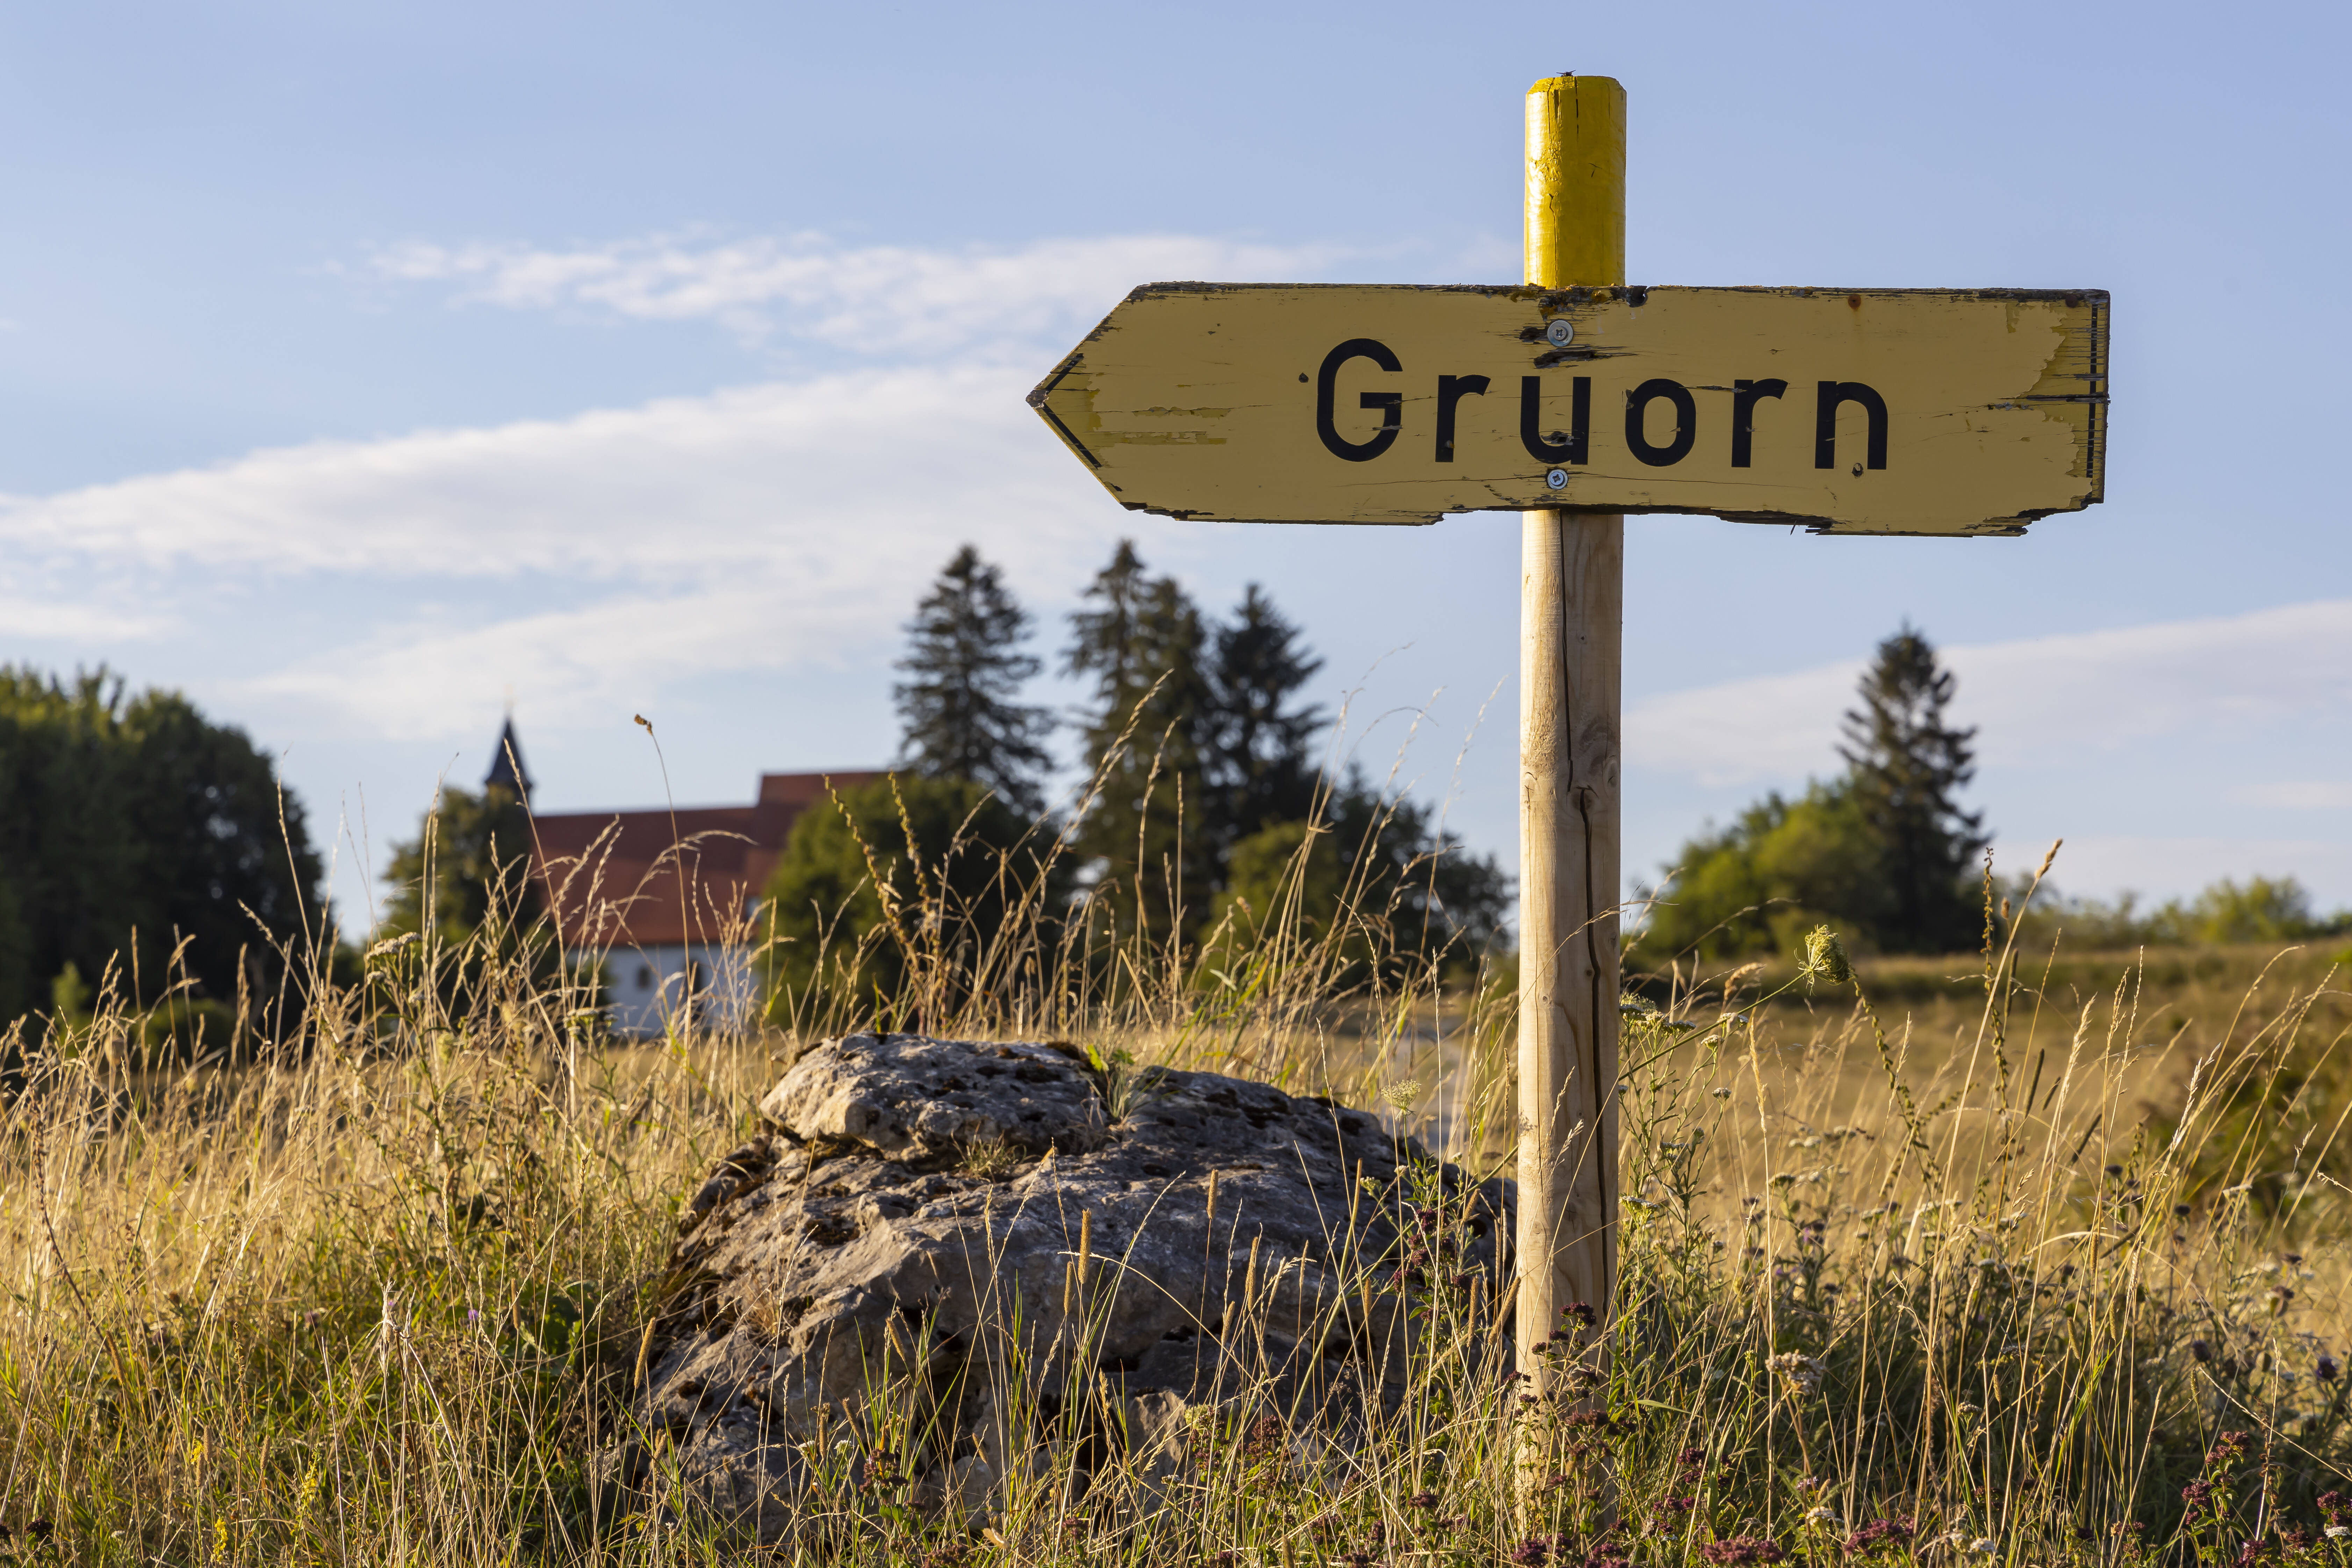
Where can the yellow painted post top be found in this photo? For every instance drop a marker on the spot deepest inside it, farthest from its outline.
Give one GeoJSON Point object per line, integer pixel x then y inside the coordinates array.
{"type": "Point", "coordinates": [1576, 182]}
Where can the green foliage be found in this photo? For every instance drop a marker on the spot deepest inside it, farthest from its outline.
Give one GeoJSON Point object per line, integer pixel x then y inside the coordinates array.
{"type": "Point", "coordinates": [1207, 781]}
{"type": "Point", "coordinates": [1371, 880]}
{"type": "Point", "coordinates": [900, 880]}
{"type": "Point", "coordinates": [1882, 852]}
{"type": "Point", "coordinates": [1285, 876]}
{"type": "Point", "coordinates": [1753, 886]}
{"type": "Point", "coordinates": [2260, 910]}
{"type": "Point", "coordinates": [1260, 764]}
{"type": "Point", "coordinates": [1147, 827]}
{"type": "Point", "coordinates": [464, 883]}
{"type": "Point", "coordinates": [141, 843]}
{"type": "Point", "coordinates": [965, 667]}
{"type": "Point", "coordinates": [1905, 763]}
{"type": "Point", "coordinates": [1432, 896]}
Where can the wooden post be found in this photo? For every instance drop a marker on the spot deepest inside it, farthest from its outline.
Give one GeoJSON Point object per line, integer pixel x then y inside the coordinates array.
{"type": "Point", "coordinates": [1571, 612]}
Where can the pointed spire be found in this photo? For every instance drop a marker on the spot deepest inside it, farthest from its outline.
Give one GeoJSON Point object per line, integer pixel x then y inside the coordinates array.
{"type": "Point", "coordinates": [507, 772]}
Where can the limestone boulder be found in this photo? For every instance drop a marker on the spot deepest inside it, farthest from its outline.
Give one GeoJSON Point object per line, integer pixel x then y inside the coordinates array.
{"type": "Point", "coordinates": [940, 1255]}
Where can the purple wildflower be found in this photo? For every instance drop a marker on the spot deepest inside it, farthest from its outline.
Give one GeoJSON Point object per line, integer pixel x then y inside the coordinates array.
{"type": "Point", "coordinates": [1878, 1533]}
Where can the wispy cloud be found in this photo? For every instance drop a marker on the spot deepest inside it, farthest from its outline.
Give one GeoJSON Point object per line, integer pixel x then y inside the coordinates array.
{"type": "Point", "coordinates": [772, 527]}
{"type": "Point", "coordinates": [789, 478]}
{"type": "Point", "coordinates": [894, 299]}
{"type": "Point", "coordinates": [2037, 701]}
{"type": "Point", "coordinates": [60, 614]}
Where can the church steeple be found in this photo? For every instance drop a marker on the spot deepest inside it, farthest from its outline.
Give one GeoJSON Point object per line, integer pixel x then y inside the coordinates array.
{"type": "Point", "coordinates": [507, 772]}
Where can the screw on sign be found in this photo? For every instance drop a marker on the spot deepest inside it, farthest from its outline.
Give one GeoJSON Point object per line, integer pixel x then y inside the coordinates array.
{"type": "Point", "coordinates": [1575, 399]}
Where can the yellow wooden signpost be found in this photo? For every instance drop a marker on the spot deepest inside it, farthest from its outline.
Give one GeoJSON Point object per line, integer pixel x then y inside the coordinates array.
{"type": "Point", "coordinates": [1575, 399]}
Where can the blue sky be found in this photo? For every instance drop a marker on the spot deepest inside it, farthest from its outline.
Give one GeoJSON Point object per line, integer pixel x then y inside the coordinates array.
{"type": "Point", "coordinates": [362, 366]}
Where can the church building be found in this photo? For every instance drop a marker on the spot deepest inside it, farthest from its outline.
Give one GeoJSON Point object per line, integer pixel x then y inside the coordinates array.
{"type": "Point", "coordinates": [666, 900]}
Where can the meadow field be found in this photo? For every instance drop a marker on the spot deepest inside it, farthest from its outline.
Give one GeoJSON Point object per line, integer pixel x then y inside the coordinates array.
{"type": "Point", "coordinates": [2009, 1258]}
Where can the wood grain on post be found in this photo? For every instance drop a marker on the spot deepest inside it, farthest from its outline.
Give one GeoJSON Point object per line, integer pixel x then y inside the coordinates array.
{"type": "Point", "coordinates": [1571, 610]}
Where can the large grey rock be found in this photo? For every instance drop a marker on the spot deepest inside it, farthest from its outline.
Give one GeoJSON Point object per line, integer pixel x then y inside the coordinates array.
{"type": "Point", "coordinates": [943, 1254]}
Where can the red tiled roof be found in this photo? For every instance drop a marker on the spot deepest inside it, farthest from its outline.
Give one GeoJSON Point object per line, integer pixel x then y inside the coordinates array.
{"type": "Point", "coordinates": [614, 881]}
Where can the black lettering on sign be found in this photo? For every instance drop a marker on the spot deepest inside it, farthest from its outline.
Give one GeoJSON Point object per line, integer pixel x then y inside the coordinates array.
{"type": "Point", "coordinates": [1394, 402]}
{"type": "Point", "coordinates": [1637, 404]}
{"type": "Point", "coordinates": [1451, 390]}
{"type": "Point", "coordinates": [1744, 395]}
{"type": "Point", "coordinates": [1834, 393]}
{"type": "Point", "coordinates": [1576, 444]}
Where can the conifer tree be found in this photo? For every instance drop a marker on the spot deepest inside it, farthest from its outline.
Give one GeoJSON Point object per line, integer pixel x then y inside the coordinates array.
{"type": "Point", "coordinates": [1905, 765]}
{"type": "Point", "coordinates": [965, 667]}
{"type": "Point", "coordinates": [1262, 765]}
{"type": "Point", "coordinates": [1141, 640]}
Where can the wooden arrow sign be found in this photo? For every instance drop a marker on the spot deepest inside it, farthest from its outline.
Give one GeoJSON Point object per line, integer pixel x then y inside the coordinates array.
{"type": "Point", "coordinates": [1847, 411]}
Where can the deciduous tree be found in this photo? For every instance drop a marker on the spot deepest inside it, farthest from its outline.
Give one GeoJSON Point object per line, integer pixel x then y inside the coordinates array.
{"type": "Point", "coordinates": [133, 828]}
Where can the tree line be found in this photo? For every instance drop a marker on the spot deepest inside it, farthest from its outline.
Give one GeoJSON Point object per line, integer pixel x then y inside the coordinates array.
{"type": "Point", "coordinates": [144, 848]}
{"type": "Point", "coordinates": [1205, 804]}
{"type": "Point", "coordinates": [1886, 853]}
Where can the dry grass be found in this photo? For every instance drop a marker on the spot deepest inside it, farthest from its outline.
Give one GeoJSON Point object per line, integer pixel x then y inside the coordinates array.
{"type": "Point", "coordinates": [1890, 1291]}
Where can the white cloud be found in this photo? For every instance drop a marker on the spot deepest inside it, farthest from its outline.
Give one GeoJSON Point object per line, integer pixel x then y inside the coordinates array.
{"type": "Point", "coordinates": [790, 480]}
{"type": "Point", "coordinates": [56, 616]}
{"type": "Point", "coordinates": [896, 299]}
{"type": "Point", "coordinates": [2308, 795]}
{"type": "Point", "coordinates": [781, 525]}
{"type": "Point", "coordinates": [2038, 701]}
{"type": "Point", "coordinates": [800, 490]}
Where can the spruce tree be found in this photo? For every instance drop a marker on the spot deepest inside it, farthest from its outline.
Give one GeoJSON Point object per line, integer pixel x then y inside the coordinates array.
{"type": "Point", "coordinates": [1141, 639]}
{"type": "Point", "coordinates": [1262, 765]}
{"type": "Point", "coordinates": [966, 667]}
{"type": "Point", "coordinates": [1906, 765]}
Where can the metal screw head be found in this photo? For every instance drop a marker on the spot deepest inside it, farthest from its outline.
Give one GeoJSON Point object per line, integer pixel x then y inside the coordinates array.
{"type": "Point", "coordinates": [1557, 479]}
{"type": "Point", "coordinates": [1559, 331]}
